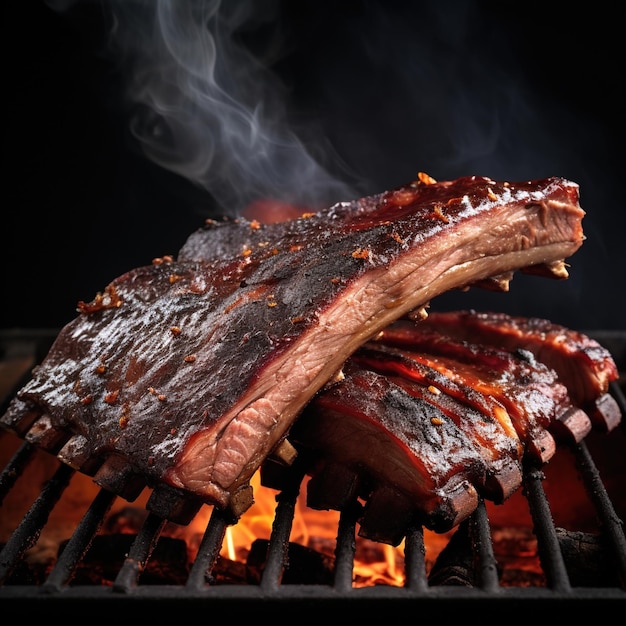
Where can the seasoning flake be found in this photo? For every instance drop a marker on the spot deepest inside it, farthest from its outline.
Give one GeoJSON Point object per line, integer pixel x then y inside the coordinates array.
{"type": "Point", "coordinates": [361, 253]}
{"type": "Point", "coordinates": [111, 398]}
{"type": "Point", "coordinates": [425, 178]}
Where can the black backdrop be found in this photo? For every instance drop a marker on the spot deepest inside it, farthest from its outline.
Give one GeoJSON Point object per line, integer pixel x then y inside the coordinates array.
{"type": "Point", "coordinates": [503, 89]}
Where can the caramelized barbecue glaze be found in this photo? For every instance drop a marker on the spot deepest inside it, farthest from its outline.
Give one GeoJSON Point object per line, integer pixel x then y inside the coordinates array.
{"type": "Point", "coordinates": [191, 371]}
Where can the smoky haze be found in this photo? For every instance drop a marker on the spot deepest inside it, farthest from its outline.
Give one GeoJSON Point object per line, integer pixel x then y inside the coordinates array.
{"type": "Point", "coordinates": [214, 96]}
{"type": "Point", "coordinates": [131, 121]}
{"type": "Point", "coordinates": [208, 108]}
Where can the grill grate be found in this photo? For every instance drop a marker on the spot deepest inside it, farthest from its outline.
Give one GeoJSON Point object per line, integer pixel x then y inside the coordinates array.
{"type": "Point", "coordinates": [200, 585]}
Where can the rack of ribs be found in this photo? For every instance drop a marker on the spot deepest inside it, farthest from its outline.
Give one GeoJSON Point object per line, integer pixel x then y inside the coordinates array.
{"type": "Point", "coordinates": [427, 417]}
{"type": "Point", "coordinates": [186, 374]}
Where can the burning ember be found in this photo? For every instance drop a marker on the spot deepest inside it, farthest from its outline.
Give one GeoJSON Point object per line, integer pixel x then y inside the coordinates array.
{"type": "Point", "coordinates": [313, 535]}
{"type": "Point", "coordinates": [313, 532]}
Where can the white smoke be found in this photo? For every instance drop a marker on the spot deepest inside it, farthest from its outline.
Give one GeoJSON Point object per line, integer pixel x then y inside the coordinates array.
{"type": "Point", "coordinates": [208, 109]}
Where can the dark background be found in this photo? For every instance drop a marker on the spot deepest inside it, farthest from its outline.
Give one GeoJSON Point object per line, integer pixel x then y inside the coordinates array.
{"type": "Point", "coordinates": [511, 90]}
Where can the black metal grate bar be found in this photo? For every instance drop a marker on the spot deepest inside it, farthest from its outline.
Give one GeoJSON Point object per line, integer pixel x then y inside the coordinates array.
{"type": "Point", "coordinates": [612, 525]}
{"type": "Point", "coordinates": [346, 547]}
{"type": "Point", "coordinates": [481, 535]}
{"type": "Point", "coordinates": [277, 553]}
{"type": "Point", "coordinates": [15, 467]}
{"type": "Point", "coordinates": [27, 533]}
{"type": "Point", "coordinates": [209, 550]}
{"type": "Point", "coordinates": [415, 560]}
{"type": "Point", "coordinates": [143, 545]}
{"type": "Point", "coordinates": [79, 542]}
{"type": "Point", "coordinates": [547, 540]}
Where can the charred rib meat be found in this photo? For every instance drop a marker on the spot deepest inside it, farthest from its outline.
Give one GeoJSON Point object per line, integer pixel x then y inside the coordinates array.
{"type": "Point", "coordinates": [434, 451]}
{"type": "Point", "coordinates": [192, 370]}
{"type": "Point", "coordinates": [439, 421]}
{"type": "Point", "coordinates": [584, 366]}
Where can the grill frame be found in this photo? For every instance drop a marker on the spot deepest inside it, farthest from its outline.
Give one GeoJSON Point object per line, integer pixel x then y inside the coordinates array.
{"type": "Point", "coordinates": [270, 593]}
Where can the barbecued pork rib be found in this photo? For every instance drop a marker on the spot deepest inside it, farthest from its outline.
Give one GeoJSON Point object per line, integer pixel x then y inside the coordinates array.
{"type": "Point", "coordinates": [379, 431]}
{"type": "Point", "coordinates": [508, 373]}
{"type": "Point", "coordinates": [434, 450]}
{"type": "Point", "coordinates": [583, 365]}
{"type": "Point", "coordinates": [528, 397]}
{"type": "Point", "coordinates": [191, 371]}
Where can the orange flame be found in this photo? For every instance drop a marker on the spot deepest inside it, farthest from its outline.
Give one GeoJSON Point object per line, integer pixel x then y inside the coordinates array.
{"type": "Point", "coordinates": [375, 563]}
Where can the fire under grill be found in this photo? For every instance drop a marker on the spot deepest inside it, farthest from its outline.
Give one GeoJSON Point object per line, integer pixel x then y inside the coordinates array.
{"type": "Point", "coordinates": [559, 538]}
